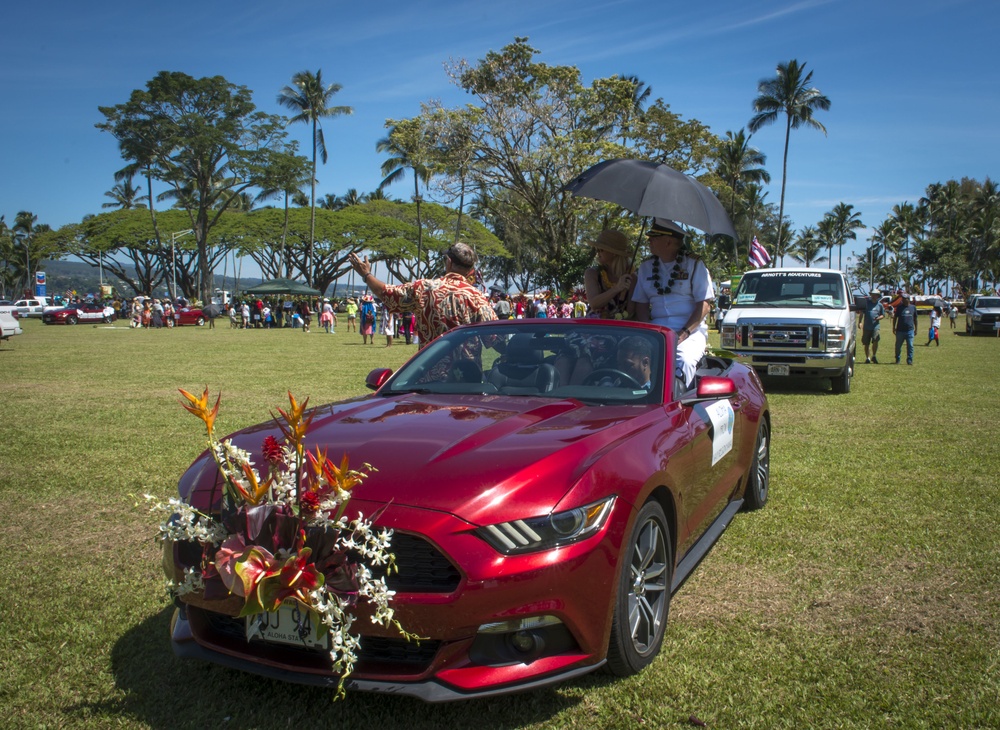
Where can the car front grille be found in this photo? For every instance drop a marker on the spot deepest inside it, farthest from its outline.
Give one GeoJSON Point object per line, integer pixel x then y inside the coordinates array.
{"type": "Point", "coordinates": [796, 337]}
{"type": "Point", "coordinates": [422, 567]}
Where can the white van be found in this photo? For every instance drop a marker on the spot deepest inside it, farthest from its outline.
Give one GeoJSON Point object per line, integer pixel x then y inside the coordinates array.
{"type": "Point", "coordinates": [9, 326]}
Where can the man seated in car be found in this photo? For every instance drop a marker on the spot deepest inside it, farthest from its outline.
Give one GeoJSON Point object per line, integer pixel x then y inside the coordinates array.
{"type": "Point", "coordinates": [635, 357]}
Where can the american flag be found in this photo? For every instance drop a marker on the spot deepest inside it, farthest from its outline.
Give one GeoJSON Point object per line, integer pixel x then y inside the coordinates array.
{"type": "Point", "coordinates": [758, 254]}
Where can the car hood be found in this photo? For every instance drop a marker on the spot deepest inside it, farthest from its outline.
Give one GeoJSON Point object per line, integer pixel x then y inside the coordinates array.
{"type": "Point", "coordinates": [830, 317]}
{"type": "Point", "coordinates": [474, 457]}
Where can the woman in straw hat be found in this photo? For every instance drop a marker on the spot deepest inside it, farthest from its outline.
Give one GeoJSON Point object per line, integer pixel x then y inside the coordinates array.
{"type": "Point", "coordinates": [609, 285]}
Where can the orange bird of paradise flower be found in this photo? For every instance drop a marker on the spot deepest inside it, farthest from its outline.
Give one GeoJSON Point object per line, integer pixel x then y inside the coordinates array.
{"type": "Point", "coordinates": [199, 407]}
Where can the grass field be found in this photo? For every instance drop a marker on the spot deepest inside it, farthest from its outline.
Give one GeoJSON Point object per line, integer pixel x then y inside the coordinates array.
{"type": "Point", "coordinates": [865, 594]}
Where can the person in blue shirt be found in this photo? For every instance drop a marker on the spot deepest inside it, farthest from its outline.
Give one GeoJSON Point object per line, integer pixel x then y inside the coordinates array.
{"type": "Point", "coordinates": [871, 312]}
{"type": "Point", "coordinates": [904, 326]}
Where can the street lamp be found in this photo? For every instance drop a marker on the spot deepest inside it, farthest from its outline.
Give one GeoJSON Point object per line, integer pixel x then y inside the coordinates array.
{"type": "Point", "coordinates": [173, 256]}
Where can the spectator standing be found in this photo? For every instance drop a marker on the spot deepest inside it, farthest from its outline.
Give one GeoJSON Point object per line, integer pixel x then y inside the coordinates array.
{"type": "Point", "coordinates": [406, 320]}
{"type": "Point", "coordinates": [952, 314]}
{"type": "Point", "coordinates": [306, 313]}
{"type": "Point", "coordinates": [933, 332]}
{"type": "Point", "coordinates": [388, 325]}
{"type": "Point", "coordinates": [245, 315]}
{"type": "Point", "coordinates": [502, 307]}
{"type": "Point", "coordinates": [904, 325]}
{"type": "Point", "coordinates": [352, 314]}
{"type": "Point", "coordinates": [265, 315]}
{"type": "Point", "coordinates": [869, 317]}
{"type": "Point", "coordinates": [438, 304]}
{"type": "Point", "coordinates": [367, 314]}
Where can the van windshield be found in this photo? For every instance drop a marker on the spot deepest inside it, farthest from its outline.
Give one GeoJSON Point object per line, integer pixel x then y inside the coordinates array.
{"type": "Point", "coordinates": [791, 289]}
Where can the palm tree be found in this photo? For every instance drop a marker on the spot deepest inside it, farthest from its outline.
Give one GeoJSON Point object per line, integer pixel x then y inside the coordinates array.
{"type": "Point", "coordinates": [788, 92]}
{"type": "Point", "coordinates": [846, 222]}
{"type": "Point", "coordinates": [309, 98]}
{"type": "Point", "coordinates": [124, 195]}
{"type": "Point", "coordinates": [406, 153]}
{"type": "Point", "coordinates": [807, 246]}
{"type": "Point", "coordinates": [740, 165]}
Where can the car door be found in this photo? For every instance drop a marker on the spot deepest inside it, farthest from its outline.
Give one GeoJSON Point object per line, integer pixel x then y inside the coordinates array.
{"type": "Point", "coordinates": [709, 469]}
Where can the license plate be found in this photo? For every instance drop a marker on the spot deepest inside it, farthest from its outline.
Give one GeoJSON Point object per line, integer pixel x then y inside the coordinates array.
{"type": "Point", "coordinates": [291, 624]}
{"type": "Point", "coordinates": [777, 370]}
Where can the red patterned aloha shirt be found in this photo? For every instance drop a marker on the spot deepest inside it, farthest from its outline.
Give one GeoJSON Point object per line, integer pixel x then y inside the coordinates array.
{"type": "Point", "coordinates": [439, 304]}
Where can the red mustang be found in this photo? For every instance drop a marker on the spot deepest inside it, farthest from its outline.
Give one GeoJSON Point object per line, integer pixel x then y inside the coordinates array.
{"type": "Point", "coordinates": [549, 483]}
{"type": "Point", "coordinates": [80, 312]}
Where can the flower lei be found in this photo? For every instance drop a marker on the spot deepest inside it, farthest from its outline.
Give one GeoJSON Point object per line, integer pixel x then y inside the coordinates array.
{"type": "Point", "coordinates": [674, 273]}
{"type": "Point", "coordinates": [280, 538]}
{"type": "Point", "coordinates": [617, 306]}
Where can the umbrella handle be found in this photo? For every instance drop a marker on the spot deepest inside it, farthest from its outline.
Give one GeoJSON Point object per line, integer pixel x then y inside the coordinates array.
{"type": "Point", "coordinates": [642, 234]}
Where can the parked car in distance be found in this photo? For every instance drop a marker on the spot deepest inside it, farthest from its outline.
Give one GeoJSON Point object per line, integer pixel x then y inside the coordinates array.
{"type": "Point", "coordinates": [187, 315]}
{"type": "Point", "coordinates": [9, 326]}
{"type": "Point", "coordinates": [550, 485]}
{"type": "Point", "coordinates": [983, 315]}
{"type": "Point", "coordinates": [33, 307]}
{"type": "Point", "coordinates": [81, 312]}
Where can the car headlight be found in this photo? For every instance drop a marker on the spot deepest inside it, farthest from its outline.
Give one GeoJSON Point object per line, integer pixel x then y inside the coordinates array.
{"type": "Point", "coordinates": [835, 338]}
{"type": "Point", "coordinates": [976, 316]}
{"type": "Point", "coordinates": [728, 336]}
{"type": "Point", "coordinates": [549, 531]}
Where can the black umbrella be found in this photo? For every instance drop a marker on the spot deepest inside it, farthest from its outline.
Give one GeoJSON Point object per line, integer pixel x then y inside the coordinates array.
{"type": "Point", "coordinates": [211, 311]}
{"type": "Point", "coordinates": [653, 189]}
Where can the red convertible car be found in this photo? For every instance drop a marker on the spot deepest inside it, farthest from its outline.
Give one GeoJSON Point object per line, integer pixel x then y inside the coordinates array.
{"type": "Point", "coordinates": [549, 483]}
{"type": "Point", "coordinates": [80, 312]}
{"type": "Point", "coordinates": [188, 315]}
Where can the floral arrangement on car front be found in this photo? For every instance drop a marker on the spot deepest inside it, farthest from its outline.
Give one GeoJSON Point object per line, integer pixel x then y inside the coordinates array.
{"type": "Point", "coordinates": [282, 546]}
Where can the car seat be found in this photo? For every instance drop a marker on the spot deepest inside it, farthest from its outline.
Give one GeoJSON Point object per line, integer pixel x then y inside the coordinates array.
{"type": "Point", "coordinates": [522, 370]}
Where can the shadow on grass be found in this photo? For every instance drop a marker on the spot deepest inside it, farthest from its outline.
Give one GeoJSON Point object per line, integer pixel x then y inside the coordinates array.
{"type": "Point", "coordinates": [158, 690]}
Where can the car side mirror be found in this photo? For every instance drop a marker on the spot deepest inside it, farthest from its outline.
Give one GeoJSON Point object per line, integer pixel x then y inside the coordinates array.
{"type": "Point", "coordinates": [711, 387]}
{"type": "Point", "coordinates": [376, 378]}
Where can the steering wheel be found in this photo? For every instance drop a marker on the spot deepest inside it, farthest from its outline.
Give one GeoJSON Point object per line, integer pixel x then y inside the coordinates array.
{"type": "Point", "coordinates": [595, 375]}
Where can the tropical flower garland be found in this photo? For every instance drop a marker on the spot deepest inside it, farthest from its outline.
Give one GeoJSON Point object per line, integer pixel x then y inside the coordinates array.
{"type": "Point", "coordinates": [282, 537]}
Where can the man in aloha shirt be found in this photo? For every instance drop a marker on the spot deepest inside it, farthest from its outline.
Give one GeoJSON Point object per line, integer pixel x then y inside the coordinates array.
{"type": "Point", "coordinates": [439, 304]}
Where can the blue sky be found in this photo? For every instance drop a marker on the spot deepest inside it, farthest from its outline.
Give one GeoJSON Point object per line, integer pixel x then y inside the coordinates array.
{"type": "Point", "coordinates": [914, 85]}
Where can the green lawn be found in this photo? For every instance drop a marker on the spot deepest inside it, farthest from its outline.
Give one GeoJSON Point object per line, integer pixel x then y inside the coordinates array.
{"type": "Point", "coordinates": [864, 595]}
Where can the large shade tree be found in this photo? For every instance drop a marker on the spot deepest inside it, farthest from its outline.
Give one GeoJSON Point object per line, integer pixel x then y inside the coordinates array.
{"type": "Point", "coordinates": [789, 93]}
{"type": "Point", "coordinates": [205, 139]}
{"type": "Point", "coordinates": [309, 98]}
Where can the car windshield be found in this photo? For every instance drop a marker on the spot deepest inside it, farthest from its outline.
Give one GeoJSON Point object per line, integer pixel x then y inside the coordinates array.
{"type": "Point", "coordinates": [791, 289]}
{"type": "Point", "coordinates": [609, 363]}
{"type": "Point", "coordinates": [988, 303]}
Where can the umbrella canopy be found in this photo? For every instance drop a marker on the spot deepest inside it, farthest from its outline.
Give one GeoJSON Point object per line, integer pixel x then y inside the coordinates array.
{"type": "Point", "coordinates": [211, 311]}
{"type": "Point", "coordinates": [653, 189]}
{"type": "Point", "coordinates": [283, 286]}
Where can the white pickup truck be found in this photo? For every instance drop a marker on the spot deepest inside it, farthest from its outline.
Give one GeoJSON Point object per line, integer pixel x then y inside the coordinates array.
{"type": "Point", "coordinates": [9, 326]}
{"type": "Point", "coordinates": [793, 322]}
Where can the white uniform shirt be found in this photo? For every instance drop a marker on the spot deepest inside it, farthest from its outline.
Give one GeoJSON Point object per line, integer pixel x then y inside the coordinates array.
{"type": "Point", "coordinates": [673, 310]}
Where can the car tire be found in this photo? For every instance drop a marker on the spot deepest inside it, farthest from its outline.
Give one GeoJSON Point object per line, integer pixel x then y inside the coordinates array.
{"type": "Point", "coordinates": [71, 320]}
{"type": "Point", "coordinates": [642, 602]}
{"type": "Point", "coordinates": [201, 321]}
{"type": "Point", "coordinates": [759, 480]}
{"type": "Point", "coordinates": [842, 383]}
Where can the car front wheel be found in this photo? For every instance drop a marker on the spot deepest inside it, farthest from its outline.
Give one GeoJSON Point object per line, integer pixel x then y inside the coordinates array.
{"type": "Point", "coordinates": [71, 320]}
{"type": "Point", "coordinates": [759, 481]}
{"type": "Point", "coordinates": [201, 321]}
{"type": "Point", "coordinates": [643, 597]}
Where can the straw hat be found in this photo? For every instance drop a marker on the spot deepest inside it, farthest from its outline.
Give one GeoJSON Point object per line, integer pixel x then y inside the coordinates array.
{"type": "Point", "coordinates": [612, 241]}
